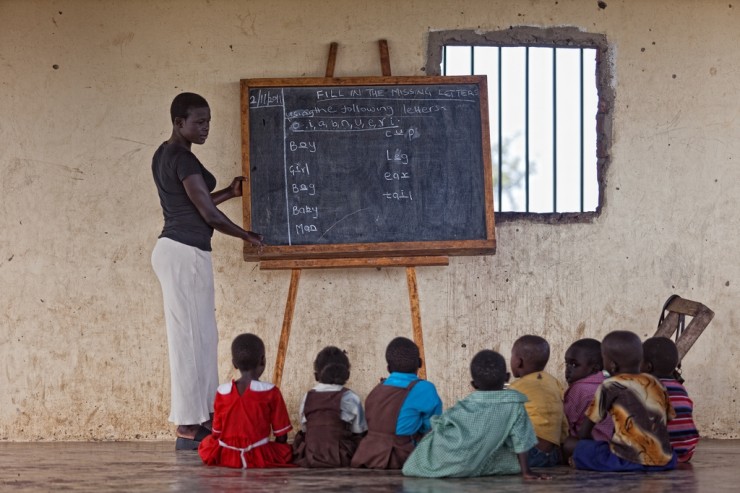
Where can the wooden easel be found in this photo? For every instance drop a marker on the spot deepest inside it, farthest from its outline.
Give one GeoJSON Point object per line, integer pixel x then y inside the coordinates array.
{"type": "Point", "coordinates": [673, 322]}
{"type": "Point", "coordinates": [297, 265]}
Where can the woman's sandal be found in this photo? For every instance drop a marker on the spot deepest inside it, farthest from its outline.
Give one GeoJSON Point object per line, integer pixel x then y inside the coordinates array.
{"type": "Point", "coordinates": [183, 443]}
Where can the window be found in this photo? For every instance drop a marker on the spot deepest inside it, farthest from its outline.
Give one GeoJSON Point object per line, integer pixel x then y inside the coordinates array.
{"type": "Point", "coordinates": [545, 91]}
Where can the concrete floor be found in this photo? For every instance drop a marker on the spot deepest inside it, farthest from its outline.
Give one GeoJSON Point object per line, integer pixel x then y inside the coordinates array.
{"type": "Point", "coordinates": [155, 466]}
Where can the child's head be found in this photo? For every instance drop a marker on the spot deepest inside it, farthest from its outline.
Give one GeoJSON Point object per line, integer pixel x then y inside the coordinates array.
{"type": "Point", "coordinates": [248, 354]}
{"type": "Point", "coordinates": [659, 357]}
{"type": "Point", "coordinates": [402, 356]}
{"type": "Point", "coordinates": [331, 366]}
{"type": "Point", "coordinates": [529, 354]}
{"type": "Point", "coordinates": [184, 103]}
{"type": "Point", "coordinates": [583, 358]}
{"type": "Point", "coordinates": [621, 351]}
{"type": "Point", "coordinates": [488, 370]}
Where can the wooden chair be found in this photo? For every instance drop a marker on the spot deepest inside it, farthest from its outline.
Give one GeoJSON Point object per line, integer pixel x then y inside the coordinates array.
{"type": "Point", "coordinates": [673, 320]}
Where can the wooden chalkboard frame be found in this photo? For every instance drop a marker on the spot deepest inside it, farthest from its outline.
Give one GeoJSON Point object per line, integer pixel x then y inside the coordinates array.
{"type": "Point", "coordinates": [486, 246]}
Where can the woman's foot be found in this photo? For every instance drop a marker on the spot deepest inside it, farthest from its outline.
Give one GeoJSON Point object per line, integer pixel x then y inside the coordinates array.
{"type": "Point", "coordinates": [187, 431]}
{"type": "Point", "coordinates": [190, 436]}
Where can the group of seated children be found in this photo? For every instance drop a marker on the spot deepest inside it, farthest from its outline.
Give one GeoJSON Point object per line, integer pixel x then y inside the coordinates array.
{"type": "Point", "coordinates": [624, 410]}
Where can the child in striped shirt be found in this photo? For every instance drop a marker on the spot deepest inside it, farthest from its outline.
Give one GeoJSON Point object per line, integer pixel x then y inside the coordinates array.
{"type": "Point", "coordinates": [660, 358]}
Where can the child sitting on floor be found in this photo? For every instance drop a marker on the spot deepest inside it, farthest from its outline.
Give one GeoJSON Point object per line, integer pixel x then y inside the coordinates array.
{"type": "Point", "coordinates": [660, 358]}
{"type": "Point", "coordinates": [398, 410]}
{"type": "Point", "coordinates": [583, 372]}
{"type": "Point", "coordinates": [639, 407]}
{"type": "Point", "coordinates": [246, 412]}
{"type": "Point", "coordinates": [529, 356]}
{"type": "Point", "coordinates": [331, 416]}
{"type": "Point", "coordinates": [486, 433]}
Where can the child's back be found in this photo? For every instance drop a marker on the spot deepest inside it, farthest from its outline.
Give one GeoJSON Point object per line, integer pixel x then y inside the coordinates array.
{"type": "Point", "coordinates": [398, 410]}
{"type": "Point", "coordinates": [583, 372]}
{"type": "Point", "coordinates": [246, 413]}
{"type": "Point", "coordinates": [639, 407]}
{"type": "Point", "coordinates": [545, 398]}
{"type": "Point", "coordinates": [682, 430]}
{"type": "Point", "coordinates": [660, 358]}
{"type": "Point", "coordinates": [482, 434]}
{"type": "Point", "coordinates": [331, 416]}
{"type": "Point", "coordinates": [242, 425]}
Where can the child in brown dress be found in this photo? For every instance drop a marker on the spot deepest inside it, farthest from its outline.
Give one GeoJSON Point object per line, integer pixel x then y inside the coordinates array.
{"type": "Point", "coordinates": [398, 410]}
{"type": "Point", "coordinates": [331, 416]}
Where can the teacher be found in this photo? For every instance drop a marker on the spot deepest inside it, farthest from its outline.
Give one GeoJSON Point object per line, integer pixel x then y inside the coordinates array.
{"type": "Point", "coordinates": [182, 261]}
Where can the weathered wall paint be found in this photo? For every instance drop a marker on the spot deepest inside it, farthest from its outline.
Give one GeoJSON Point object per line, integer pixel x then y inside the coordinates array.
{"type": "Point", "coordinates": [84, 92]}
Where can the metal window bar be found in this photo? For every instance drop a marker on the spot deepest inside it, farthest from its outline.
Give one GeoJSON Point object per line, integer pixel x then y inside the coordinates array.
{"type": "Point", "coordinates": [526, 129]}
{"type": "Point", "coordinates": [500, 137]}
{"type": "Point", "coordinates": [554, 130]}
{"type": "Point", "coordinates": [582, 114]}
{"type": "Point", "coordinates": [527, 160]}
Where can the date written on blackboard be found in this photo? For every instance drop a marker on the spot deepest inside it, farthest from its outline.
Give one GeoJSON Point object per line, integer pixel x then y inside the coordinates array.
{"type": "Point", "coordinates": [367, 164]}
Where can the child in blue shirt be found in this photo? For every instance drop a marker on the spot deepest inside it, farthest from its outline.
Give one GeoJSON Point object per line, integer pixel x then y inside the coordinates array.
{"type": "Point", "coordinates": [398, 410]}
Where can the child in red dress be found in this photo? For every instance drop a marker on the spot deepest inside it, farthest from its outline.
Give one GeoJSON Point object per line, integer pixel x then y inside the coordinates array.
{"type": "Point", "coordinates": [246, 412]}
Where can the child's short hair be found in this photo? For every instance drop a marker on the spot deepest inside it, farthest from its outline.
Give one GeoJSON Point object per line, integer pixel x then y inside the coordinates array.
{"type": "Point", "coordinates": [332, 366]}
{"type": "Point", "coordinates": [623, 347]}
{"type": "Point", "coordinates": [247, 351]}
{"type": "Point", "coordinates": [184, 102]}
{"type": "Point", "coordinates": [402, 355]}
{"type": "Point", "coordinates": [662, 353]}
{"type": "Point", "coordinates": [488, 369]}
{"type": "Point", "coordinates": [534, 349]}
{"type": "Point", "coordinates": [591, 349]}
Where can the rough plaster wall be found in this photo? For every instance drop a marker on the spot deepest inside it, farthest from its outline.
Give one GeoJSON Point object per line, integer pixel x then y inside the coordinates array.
{"type": "Point", "coordinates": [83, 345]}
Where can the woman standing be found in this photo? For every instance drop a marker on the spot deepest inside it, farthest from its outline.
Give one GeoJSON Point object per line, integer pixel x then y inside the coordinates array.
{"type": "Point", "coordinates": [182, 261]}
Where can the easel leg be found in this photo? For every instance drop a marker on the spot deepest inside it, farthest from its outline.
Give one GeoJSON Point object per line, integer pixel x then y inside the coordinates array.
{"type": "Point", "coordinates": [416, 317]}
{"type": "Point", "coordinates": [277, 377]}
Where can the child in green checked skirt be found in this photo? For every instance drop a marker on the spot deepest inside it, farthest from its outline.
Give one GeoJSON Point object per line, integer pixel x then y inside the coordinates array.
{"type": "Point", "coordinates": [486, 433]}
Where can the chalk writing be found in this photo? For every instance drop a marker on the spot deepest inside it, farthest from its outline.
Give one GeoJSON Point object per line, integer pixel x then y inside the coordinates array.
{"type": "Point", "coordinates": [299, 169]}
{"type": "Point", "coordinates": [266, 98]}
{"type": "Point", "coordinates": [298, 188]}
{"type": "Point", "coordinates": [306, 210]}
{"type": "Point", "coordinates": [398, 195]}
{"type": "Point", "coordinates": [410, 133]}
{"type": "Point", "coordinates": [363, 164]}
{"type": "Point", "coordinates": [397, 156]}
{"type": "Point", "coordinates": [310, 146]}
{"type": "Point", "coordinates": [358, 124]}
{"type": "Point", "coordinates": [403, 175]}
{"type": "Point", "coordinates": [306, 228]}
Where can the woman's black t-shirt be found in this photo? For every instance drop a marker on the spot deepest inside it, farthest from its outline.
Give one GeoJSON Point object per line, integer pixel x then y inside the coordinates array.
{"type": "Point", "coordinates": [171, 164]}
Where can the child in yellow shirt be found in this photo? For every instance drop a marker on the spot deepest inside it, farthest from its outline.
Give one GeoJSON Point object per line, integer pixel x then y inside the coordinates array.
{"type": "Point", "coordinates": [529, 356]}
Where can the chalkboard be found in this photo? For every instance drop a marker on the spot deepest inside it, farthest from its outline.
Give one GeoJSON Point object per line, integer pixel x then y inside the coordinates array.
{"type": "Point", "coordinates": [372, 166]}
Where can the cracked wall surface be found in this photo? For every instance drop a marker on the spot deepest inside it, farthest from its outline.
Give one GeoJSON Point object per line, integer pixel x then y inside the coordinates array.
{"type": "Point", "coordinates": [85, 88]}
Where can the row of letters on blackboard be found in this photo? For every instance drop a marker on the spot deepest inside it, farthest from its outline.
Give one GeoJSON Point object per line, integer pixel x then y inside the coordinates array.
{"type": "Point", "coordinates": [395, 92]}
{"type": "Point", "coordinates": [263, 98]}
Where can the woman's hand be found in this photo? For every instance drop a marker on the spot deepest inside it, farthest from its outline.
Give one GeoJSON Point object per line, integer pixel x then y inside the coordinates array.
{"type": "Point", "coordinates": [236, 186]}
{"type": "Point", "coordinates": [256, 240]}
